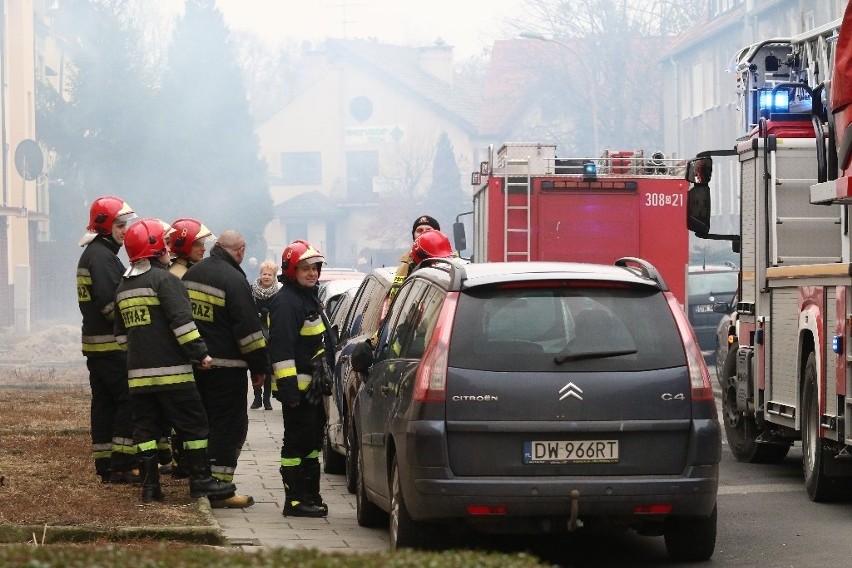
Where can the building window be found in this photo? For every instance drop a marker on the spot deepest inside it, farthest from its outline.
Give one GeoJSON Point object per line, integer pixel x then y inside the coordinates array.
{"type": "Point", "coordinates": [697, 90]}
{"type": "Point", "coordinates": [301, 168]}
{"type": "Point", "coordinates": [361, 108]}
{"type": "Point", "coordinates": [362, 167]}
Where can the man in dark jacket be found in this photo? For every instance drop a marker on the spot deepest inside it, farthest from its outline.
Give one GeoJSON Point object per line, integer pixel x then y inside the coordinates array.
{"type": "Point", "coordinates": [156, 326]}
{"type": "Point", "coordinates": [98, 275]}
{"type": "Point", "coordinates": [302, 352]}
{"type": "Point", "coordinates": [223, 308]}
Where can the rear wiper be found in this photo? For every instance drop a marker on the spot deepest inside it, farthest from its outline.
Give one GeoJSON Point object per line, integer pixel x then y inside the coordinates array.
{"type": "Point", "coordinates": [563, 357]}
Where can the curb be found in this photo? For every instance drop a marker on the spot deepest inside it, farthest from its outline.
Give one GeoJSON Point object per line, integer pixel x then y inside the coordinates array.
{"type": "Point", "coordinates": [49, 534]}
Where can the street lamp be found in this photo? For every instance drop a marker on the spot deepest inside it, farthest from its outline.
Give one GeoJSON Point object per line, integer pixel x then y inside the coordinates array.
{"type": "Point", "coordinates": [592, 77]}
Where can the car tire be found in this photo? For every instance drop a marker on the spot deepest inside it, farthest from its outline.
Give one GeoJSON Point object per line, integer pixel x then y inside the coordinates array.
{"type": "Point", "coordinates": [332, 462]}
{"type": "Point", "coordinates": [367, 512]}
{"type": "Point", "coordinates": [351, 460]}
{"type": "Point", "coordinates": [819, 486]}
{"type": "Point", "coordinates": [741, 430]}
{"type": "Point", "coordinates": [404, 531]}
{"type": "Point", "coordinates": [691, 539]}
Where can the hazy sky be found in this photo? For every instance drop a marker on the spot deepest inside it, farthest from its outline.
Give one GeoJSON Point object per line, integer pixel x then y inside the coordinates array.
{"type": "Point", "coordinates": [469, 25]}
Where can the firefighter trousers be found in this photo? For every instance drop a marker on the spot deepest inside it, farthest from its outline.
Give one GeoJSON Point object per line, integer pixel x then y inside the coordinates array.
{"type": "Point", "coordinates": [111, 413]}
{"type": "Point", "coordinates": [224, 392]}
{"type": "Point", "coordinates": [303, 431]}
{"type": "Point", "coordinates": [182, 408]}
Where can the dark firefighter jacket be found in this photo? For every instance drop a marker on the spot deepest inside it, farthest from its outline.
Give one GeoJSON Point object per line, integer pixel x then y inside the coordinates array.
{"type": "Point", "coordinates": [98, 275]}
{"type": "Point", "coordinates": [155, 324]}
{"type": "Point", "coordinates": [298, 336]}
{"type": "Point", "coordinates": [224, 310]}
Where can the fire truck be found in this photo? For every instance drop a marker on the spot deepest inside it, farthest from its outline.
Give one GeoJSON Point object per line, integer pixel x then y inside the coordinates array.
{"type": "Point", "coordinates": [788, 376]}
{"type": "Point", "coordinates": [530, 205]}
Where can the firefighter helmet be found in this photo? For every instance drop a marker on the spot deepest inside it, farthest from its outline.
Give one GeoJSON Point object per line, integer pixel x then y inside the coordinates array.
{"type": "Point", "coordinates": [107, 210]}
{"type": "Point", "coordinates": [185, 232]}
{"type": "Point", "coordinates": [431, 244]}
{"type": "Point", "coordinates": [296, 252]}
{"type": "Point", "coordinates": [145, 239]}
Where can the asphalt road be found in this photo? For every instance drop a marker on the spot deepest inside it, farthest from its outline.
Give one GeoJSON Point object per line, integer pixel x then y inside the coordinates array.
{"type": "Point", "coordinates": [765, 519]}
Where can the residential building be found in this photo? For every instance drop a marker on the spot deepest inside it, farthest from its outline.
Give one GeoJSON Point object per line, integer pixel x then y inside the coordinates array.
{"type": "Point", "coordinates": [28, 55]}
{"type": "Point", "coordinates": [350, 157]}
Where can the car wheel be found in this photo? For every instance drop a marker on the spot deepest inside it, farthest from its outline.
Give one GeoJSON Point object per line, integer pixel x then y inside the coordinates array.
{"type": "Point", "coordinates": [404, 531]}
{"type": "Point", "coordinates": [351, 462]}
{"type": "Point", "coordinates": [332, 462]}
{"type": "Point", "coordinates": [689, 539]}
{"type": "Point", "coordinates": [820, 487]}
{"type": "Point", "coordinates": [740, 428]}
{"type": "Point", "coordinates": [367, 513]}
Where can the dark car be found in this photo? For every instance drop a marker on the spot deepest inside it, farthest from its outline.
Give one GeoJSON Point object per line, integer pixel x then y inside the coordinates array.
{"type": "Point", "coordinates": [707, 287]}
{"type": "Point", "coordinates": [360, 321]}
{"type": "Point", "coordinates": [530, 397]}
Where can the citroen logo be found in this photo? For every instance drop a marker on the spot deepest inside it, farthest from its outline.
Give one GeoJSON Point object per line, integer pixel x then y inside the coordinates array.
{"type": "Point", "coordinates": [571, 390]}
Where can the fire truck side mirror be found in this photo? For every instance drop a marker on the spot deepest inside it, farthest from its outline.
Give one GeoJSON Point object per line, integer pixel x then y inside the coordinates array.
{"type": "Point", "coordinates": [459, 238]}
{"type": "Point", "coordinates": [699, 170]}
{"type": "Point", "coordinates": [698, 209]}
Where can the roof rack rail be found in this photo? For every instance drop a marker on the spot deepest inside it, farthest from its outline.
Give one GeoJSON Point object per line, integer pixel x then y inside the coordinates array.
{"type": "Point", "coordinates": [455, 267]}
{"type": "Point", "coordinates": [644, 268]}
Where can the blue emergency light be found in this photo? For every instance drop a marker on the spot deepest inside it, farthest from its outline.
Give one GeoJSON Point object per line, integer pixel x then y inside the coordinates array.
{"type": "Point", "coordinates": [590, 171]}
{"type": "Point", "coordinates": [777, 101]}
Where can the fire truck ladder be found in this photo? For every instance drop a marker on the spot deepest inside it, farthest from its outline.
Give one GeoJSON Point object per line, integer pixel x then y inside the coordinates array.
{"type": "Point", "coordinates": [517, 184]}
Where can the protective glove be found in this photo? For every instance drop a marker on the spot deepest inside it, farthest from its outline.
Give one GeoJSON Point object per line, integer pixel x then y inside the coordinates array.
{"type": "Point", "coordinates": [320, 381]}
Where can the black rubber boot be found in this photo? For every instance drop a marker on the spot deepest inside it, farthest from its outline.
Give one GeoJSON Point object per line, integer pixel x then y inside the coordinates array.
{"type": "Point", "coordinates": [312, 483]}
{"type": "Point", "coordinates": [201, 483]}
{"type": "Point", "coordinates": [296, 503]}
{"type": "Point", "coordinates": [267, 403]}
{"type": "Point", "coordinates": [151, 490]}
{"type": "Point", "coordinates": [257, 403]}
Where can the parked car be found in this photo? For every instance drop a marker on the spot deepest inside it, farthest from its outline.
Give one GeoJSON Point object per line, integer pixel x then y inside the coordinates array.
{"type": "Point", "coordinates": [537, 397]}
{"type": "Point", "coordinates": [706, 287]}
{"type": "Point", "coordinates": [360, 322]}
{"type": "Point", "coordinates": [334, 281]}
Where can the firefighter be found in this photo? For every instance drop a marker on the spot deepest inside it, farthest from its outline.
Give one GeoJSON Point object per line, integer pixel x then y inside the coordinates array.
{"type": "Point", "coordinates": [187, 239]}
{"type": "Point", "coordinates": [421, 225]}
{"type": "Point", "coordinates": [430, 244]}
{"type": "Point", "coordinates": [155, 324]}
{"type": "Point", "coordinates": [224, 311]}
{"type": "Point", "coordinates": [98, 275]}
{"type": "Point", "coordinates": [302, 354]}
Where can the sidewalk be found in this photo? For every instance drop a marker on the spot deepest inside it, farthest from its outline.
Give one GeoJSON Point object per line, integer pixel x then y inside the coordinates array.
{"type": "Point", "coordinates": [262, 524]}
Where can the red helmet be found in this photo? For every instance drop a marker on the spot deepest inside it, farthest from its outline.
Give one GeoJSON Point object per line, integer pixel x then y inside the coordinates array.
{"type": "Point", "coordinates": [431, 244]}
{"type": "Point", "coordinates": [107, 210]}
{"type": "Point", "coordinates": [145, 239]}
{"type": "Point", "coordinates": [296, 252]}
{"type": "Point", "coordinates": [185, 232]}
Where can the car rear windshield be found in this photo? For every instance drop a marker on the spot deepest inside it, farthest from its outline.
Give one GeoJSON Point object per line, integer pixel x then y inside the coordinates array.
{"type": "Point", "coordinates": [565, 326]}
{"type": "Point", "coordinates": [712, 283]}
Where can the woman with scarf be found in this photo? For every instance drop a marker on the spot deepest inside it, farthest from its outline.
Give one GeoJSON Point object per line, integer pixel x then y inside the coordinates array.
{"type": "Point", "coordinates": [263, 288]}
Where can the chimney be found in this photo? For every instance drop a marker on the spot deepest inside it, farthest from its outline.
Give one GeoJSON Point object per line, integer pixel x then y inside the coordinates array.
{"type": "Point", "coordinates": [437, 60]}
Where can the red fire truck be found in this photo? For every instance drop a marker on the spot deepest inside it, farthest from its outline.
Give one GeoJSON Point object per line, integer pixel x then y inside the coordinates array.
{"type": "Point", "coordinates": [531, 205]}
{"type": "Point", "coordinates": [788, 373]}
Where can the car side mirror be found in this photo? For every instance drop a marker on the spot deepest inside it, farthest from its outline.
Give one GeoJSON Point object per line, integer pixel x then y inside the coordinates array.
{"type": "Point", "coordinates": [698, 209]}
{"type": "Point", "coordinates": [362, 357]}
{"type": "Point", "coordinates": [459, 237]}
{"type": "Point", "coordinates": [722, 308]}
{"type": "Point", "coordinates": [699, 170]}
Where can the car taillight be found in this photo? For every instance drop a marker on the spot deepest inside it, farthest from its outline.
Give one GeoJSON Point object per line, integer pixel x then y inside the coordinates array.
{"type": "Point", "coordinates": [699, 376]}
{"type": "Point", "coordinates": [430, 384]}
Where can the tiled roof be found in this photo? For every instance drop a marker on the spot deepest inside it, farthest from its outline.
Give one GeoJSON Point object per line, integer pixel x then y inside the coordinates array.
{"type": "Point", "coordinates": [400, 67]}
{"type": "Point", "coordinates": [309, 205]}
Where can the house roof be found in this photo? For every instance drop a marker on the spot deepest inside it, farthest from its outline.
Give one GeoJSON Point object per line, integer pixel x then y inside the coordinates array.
{"type": "Point", "coordinates": [311, 205]}
{"type": "Point", "coordinates": [401, 68]}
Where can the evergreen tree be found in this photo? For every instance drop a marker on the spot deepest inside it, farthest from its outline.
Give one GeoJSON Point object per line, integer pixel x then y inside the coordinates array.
{"type": "Point", "coordinates": [208, 151]}
{"type": "Point", "coordinates": [446, 199]}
